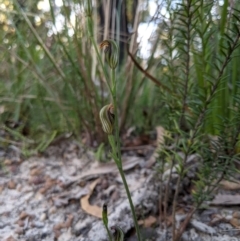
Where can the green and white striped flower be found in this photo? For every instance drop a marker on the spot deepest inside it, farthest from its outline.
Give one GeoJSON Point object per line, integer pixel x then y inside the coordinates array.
{"type": "Point", "coordinates": [111, 51]}
{"type": "Point", "coordinates": [107, 118]}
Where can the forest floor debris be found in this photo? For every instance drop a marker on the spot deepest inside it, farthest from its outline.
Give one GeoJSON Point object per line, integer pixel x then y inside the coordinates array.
{"type": "Point", "coordinates": [59, 195]}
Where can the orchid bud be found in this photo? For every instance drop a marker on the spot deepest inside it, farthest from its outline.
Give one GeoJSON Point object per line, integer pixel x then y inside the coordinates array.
{"type": "Point", "coordinates": [105, 214]}
{"type": "Point", "coordinates": [111, 51]}
{"type": "Point", "coordinates": [107, 118]}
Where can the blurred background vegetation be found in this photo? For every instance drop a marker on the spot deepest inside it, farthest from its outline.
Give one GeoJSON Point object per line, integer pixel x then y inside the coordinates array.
{"type": "Point", "coordinates": [179, 68]}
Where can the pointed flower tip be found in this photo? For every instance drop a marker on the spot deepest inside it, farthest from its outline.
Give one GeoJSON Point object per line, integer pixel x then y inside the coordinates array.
{"type": "Point", "coordinates": [111, 52]}
{"type": "Point", "coordinates": [104, 207]}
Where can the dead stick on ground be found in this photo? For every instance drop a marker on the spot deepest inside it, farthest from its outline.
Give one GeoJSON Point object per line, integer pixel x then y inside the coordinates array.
{"type": "Point", "coordinates": [184, 225]}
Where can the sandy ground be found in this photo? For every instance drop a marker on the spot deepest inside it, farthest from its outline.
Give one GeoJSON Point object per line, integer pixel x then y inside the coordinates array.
{"type": "Point", "coordinates": [59, 195]}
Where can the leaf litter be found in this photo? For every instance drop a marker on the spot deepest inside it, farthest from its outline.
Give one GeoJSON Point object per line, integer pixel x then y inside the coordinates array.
{"type": "Point", "coordinates": [59, 195]}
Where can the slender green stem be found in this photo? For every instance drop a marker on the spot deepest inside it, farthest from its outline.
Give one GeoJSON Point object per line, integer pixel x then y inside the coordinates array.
{"type": "Point", "coordinates": [105, 220]}
{"type": "Point", "coordinates": [131, 203]}
{"type": "Point", "coordinates": [90, 32]}
{"type": "Point", "coordinates": [113, 143]}
{"type": "Point", "coordinates": [109, 234]}
{"type": "Point", "coordinates": [116, 127]}
{"type": "Point", "coordinates": [118, 154]}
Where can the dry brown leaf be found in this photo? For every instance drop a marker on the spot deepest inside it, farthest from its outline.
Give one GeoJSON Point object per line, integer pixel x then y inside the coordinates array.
{"type": "Point", "coordinates": [65, 224]}
{"type": "Point", "coordinates": [24, 215]}
{"type": "Point", "coordinates": [228, 185]}
{"type": "Point", "coordinates": [91, 209]}
{"type": "Point", "coordinates": [49, 183]}
{"type": "Point", "coordinates": [7, 162]}
{"type": "Point", "coordinates": [37, 171]}
{"type": "Point", "coordinates": [148, 222]}
{"type": "Point", "coordinates": [11, 184]}
{"type": "Point", "coordinates": [36, 180]}
{"type": "Point", "coordinates": [235, 222]}
{"type": "Point", "coordinates": [57, 233]}
{"type": "Point", "coordinates": [216, 218]}
{"type": "Point", "coordinates": [236, 214]}
{"type": "Point", "coordinates": [69, 221]}
{"type": "Point", "coordinates": [225, 199]}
